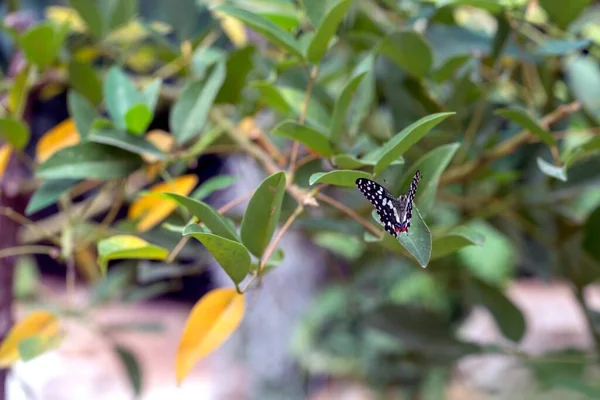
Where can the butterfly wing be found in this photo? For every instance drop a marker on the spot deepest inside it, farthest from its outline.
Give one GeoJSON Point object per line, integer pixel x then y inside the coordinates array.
{"type": "Point", "coordinates": [385, 204]}
{"type": "Point", "coordinates": [406, 203]}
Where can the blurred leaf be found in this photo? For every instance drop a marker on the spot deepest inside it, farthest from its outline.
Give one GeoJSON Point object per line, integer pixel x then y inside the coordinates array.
{"type": "Point", "coordinates": [239, 64]}
{"type": "Point", "coordinates": [206, 215]}
{"type": "Point", "coordinates": [127, 247]}
{"type": "Point", "coordinates": [339, 177]}
{"type": "Point", "coordinates": [42, 42]}
{"type": "Point", "coordinates": [5, 154]}
{"type": "Point", "coordinates": [212, 185]}
{"type": "Point", "coordinates": [26, 278]}
{"type": "Point", "coordinates": [40, 323]}
{"type": "Point", "coordinates": [341, 244]}
{"type": "Point", "coordinates": [348, 161]}
{"type": "Point", "coordinates": [558, 47]}
{"type": "Point", "coordinates": [276, 258]}
{"type": "Point", "coordinates": [409, 51]}
{"type": "Point", "coordinates": [493, 261]}
{"type": "Point", "coordinates": [90, 13]}
{"type": "Point", "coordinates": [114, 283]}
{"type": "Point", "coordinates": [14, 132]}
{"type": "Point", "coordinates": [508, 317]}
{"type": "Point", "coordinates": [316, 114]}
{"type": "Point", "coordinates": [431, 165]}
{"type": "Point", "coordinates": [527, 122]}
{"type": "Point", "coordinates": [265, 27]}
{"type": "Point", "coordinates": [583, 78]}
{"type": "Point", "coordinates": [364, 95]}
{"type": "Point", "coordinates": [403, 140]}
{"type": "Point", "coordinates": [212, 320]}
{"type": "Point", "coordinates": [272, 97]}
{"type": "Point", "coordinates": [562, 13]}
{"type": "Point", "coordinates": [262, 214]}
{"type": "Point", "coordinates": [310, 137]}
{"type": "Point", "coordinates": [341, 107]}
{"type": "Point", "coordinates": [82, 112]}
{"type": "Point", "coordinates": [493, 6]}
{"type": "Point", "coordinates": [420, 288]}
{"type": "Point", "coordinates": [552, 170]}
{"type": "Point", "coordinates": [121, 95]}
{"type": "Point", "coordinates": [233, 257]}
{"type": "Point", "coordinates": [84, 79]}
{"type": "Point", "coordinates": [89, 161]}
{"type": "Point", "coordinates": [34, 346]}
{"type": "Point", "coordinates": [150, 209]}
{"type": "Point", "coordinates": [591, 234]}
{"type": "Point", "coordinates": [455, 240]}
{"type": "Point", "coordinates": [123, 140]}
{"type": "Point", "coordinates": [132, 367]}
{"type": "Point", "coordinates": [48, 193]}
{"type": "Point", "coordinates": [190, 112]}
{"type": "Point", "coordinates": [315, 10]}
{"type": "Point", "coordinates": [449, 67]}
{"type": "Point", "coordinates": [122, 12]}
{"type": "Point", "coordinates": [137, 118]}
{"type": "Point", "coordinates": [326, 30]}
{"type": "Point", "coordinates": [434, 387]}
{"type": "Point", "coordinates": [151, 94]}
{"type": "Point", "coordinates": [61, 136]}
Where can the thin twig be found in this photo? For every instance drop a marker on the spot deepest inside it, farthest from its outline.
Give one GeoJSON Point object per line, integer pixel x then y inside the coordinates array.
{"type": "Point", "coordinates": [351, 213]}
{"type": "Point", "coordinates": [277, 239]}
{"type": "Point", "coordinates": [52, 251]}
{"type": "Point", "coordinates": [296, 145]}
{"type": "Point", "coordinates": [21, 219]}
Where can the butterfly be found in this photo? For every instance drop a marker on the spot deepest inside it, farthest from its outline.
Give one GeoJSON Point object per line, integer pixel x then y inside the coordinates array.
{"type": "Point", "coordinates": [395, 214]}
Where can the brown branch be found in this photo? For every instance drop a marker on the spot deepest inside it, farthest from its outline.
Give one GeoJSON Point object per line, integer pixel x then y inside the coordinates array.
{"type": "Point", "coordinates": [351, 213]}
{"type": "Point", "coordinates": [279, 236]}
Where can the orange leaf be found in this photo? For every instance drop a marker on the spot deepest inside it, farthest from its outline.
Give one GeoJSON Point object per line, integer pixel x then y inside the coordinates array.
{"type": "Point", "coordinates": [152, 209]}
{"type": "Point", "coordinates": [5, 153]}
{"type": "Point", "coordinates": [39, 323]}
{"type": "Point", "coordinates": [61, 136]}
{"type": "Point", "coordinates": [212, 320]}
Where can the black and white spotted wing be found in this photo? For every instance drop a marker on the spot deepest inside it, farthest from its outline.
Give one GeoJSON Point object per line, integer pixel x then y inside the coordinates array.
{"type": "Point", "coordinates": [394, 214]}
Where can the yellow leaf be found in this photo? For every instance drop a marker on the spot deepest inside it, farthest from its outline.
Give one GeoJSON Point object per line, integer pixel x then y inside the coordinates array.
{"type": "Point", "coordinates": [150, 210]}
{"type": "Point", "coordinates": [5, 153]}
{"type": "Point", "coordinates": [42, 324]}
{"type": "Point", "coordinates": [233, 28]}
{"type": "Point", "coordinates": [61, 136]}
{"type": "Point", "coordinates": [212, 320]}
{"type": "Point", "coordinates": [162, 140]}
{"type": "Point", "coordinates": [61, 15]}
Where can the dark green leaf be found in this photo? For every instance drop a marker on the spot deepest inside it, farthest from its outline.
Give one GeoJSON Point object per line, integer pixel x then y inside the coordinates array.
{"type": "Point", "coordinates": [132, 367]}
{"type": "Point", "coordinates": [364, 96]}
{"type": "Point", "coordinates": [552, 170]}
{"type": "Point", "coordinates": [527, 122]}
{"type": "Point", "coordinates": [121, 95]}
{"type": "Point", "coordinates": [239, 64]}
{"type": "Point", "coordinates": [262, 214]}
{"type": "Point", "coordinates": [137, 118]}
{"type": "Point", "coordinates": [562, 13]}
{"type": "Point", "coordinates": [89, 11]}
{"type": "Point", "coordinates": [265, 27]}
{"type": "Point", "coordinates": [316, 114]}
{"type": "Point", "coordinates": [409, 51]}
{"type": "Point", "coordinates": [48, 193]}
{"type": "Point", "coordinates": [206, 215]}
{"type": "Point", "coordinates": [558, 47]}
{"type": "Point", "coordinates": [455, 240]}
{"type": "Point", "coordinates": [341, 108]}
{"type": "Point", "coordinates": [190, 113]}
{"type": "Point", "coordinates": [410, 135]}
{"type": "Point", "coordinates": [212, 185]}
{"type": "Point", "coordinates": [82, 112]}
{"type": "Point", "coordinates": [310, 137]}
{"type": "Point", "coordinates": [89, 161]}
{"type": "Point", "coordinates": [348, 161]}
{"type": "Point", "coordinates": [231, 255]}
{"type": "Point", "coordinates": [14, 132]}
{"type": "Point", "coordinates": [326, 30]}
{"type": "Point", "coordinates": [339, 177]}
{"type": "Point", "coordinates": [84, 79]}
{"type": "Point", "coordinates": [591, 234]}
{"type": "Point", "coordinates": [117, 138]}
{"type": "Point", "coordinates": [508, 317]}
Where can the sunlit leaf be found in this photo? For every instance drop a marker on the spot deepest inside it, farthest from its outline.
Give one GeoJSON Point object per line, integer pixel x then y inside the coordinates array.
{"type": "Point", "coordinates": [212, 320]}
{"type": "Point", "coordinates": [14, 132]}
{"type": "Point", "coordinates": [310, 137]}
{"type": "Point", "coordinates": [127, 247]}
{"type": "Point", "coordinates": [5, 153]}
{"type": "Point", "coordinates": [583, 78]}
{"type": "Point", "coordinates": [340, 177]}
{"type": "Point", "coordinates": [137, 118]}
{"type": "Point", "coordinates": [41, 43]}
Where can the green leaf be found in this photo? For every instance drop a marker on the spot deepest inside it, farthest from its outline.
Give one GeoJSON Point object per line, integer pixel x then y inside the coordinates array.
{"type": "Point", "coordinates": [190, 112]}
{"type": "Point", "coordinates": [137, 118]}
{"type": "Point", "coordinates": [563, 369]}
{"type": "Point", "coordinates": [410, 135]}
{"type": "Point", "coordinates": [340, 108]}
{"type": "Point", "coordinates": [409, 51]}
{"type": "Point", "coordinates": [89, 11]}
{"type": "Point", "coordinates": [132, 367]}
{"type": "Point", "coordinates": [562, 13]}
{"type": "Point", "coordinates": [508, 317]}
{"type": "Point", "coordinates": [326, 30]}
{"type": "Point", "coordinates": [14, 132]}
{"type": "Point", "coordinates": [417, 241]}
{"type": "Point", "coordinates": [151, 94]}
{"type": "Point", "coordinates": [89, 161]}
{"type": "Point", "coordinates": [591, 234]}
{"type": "Point", "coordinates": [206, 215]}
{"type": "Point", "coordinates": [262, 214]}
{"type": "Point", "coordinates": [35, 346]}
{"type": "Point", "coordinates": [448, 69]}
{"type": "Point", "coordinates": [348, 161]}
{"type": "Point", "coordinates": [341, 244]}
{"type": "Point", "coordinates": [82, 112]}
{"type": "Point", "coordinates": [239, 64]}
{"type": "Point", "coordinates": [268, 29]}
{"type": "Point", "coordinates": [552, 170]}
{"type": "Point", "coordinates": [48, 193]}
{"type": "Point", "coordinates": [527, 122]}
{"type": "Point", "coordinates": [123, 140]}
{"type": "Point", "coordinates": [316, 114]}
{"type": "Point", "coordinates": [272, 96]}
{"type": "Point", "coordinates": [121, 95]}
{"type": "Point", "coordinates": [212, 185]}
{"type": "Point", "coordinates": [232, 256]}
{"type": "Point", "coordinates": [121, 13]}
{"type": "Point", "coordinates": [431, 165]}
{"type": "Point", "coordinates": [559, 47]}
{"type": "Point", "coordinates": [310, 137]}
{"type": "Point", "coordinates": [315, 10]}
{"type": "Point", "coordinates": [455, 240]}
{"type": "Point", "coordinates": [41, 43]}
{"type": "Point", "coordinates": [492, 6]}
{"type": "Point", "coordinates": [342, 177]}
{"type": "Point", "coordinates": [120, 247]}
{"type": "Point", "coordinates": [84, 79]}
{"type": "Point", "coordinates": [583, 78]}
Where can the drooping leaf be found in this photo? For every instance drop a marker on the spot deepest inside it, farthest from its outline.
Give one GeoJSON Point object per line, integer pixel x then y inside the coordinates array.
{"type": "Point", "coordinates": [262, 214]}
{"type": "Point", "coordinates": [342, 177]}
{"type": "Point", "coordinates": [455, 240]}
{"type": "Point", "coordinates": [14, 132]}
{"type": "Point", "coordinates": [212, 320]}
{"type": "Point", "coordinates": [326, 30]}
{"type": "Point", "coordinates": [233, 257]}
{"type": "Point", "coordinates": [409, 51]}
{"type": "Point", "coordinates": [120, 247]}
{"type": "Point", "coordinates": [526, 121]}
{"type": "Point", "coordinates": [310, 137]}
{"type": "Point", "coordinates": [48, 193]}
{"type": "Point", "coordinates": [341, 107]}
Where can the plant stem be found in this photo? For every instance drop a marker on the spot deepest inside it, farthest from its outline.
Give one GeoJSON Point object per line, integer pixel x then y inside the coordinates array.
{"type": "Point", "coordinates": [277, 239]}
{"type": "Point", "coordinates": [21, 219]}
{"type": "Point", "coordinates": [52, 251]}
{"type": "Point", "coordinates": [296, 146]}
{"type": "Point", "coordinates": [580, 297]}
{"type": "Point", "coordinates": [351, 213]}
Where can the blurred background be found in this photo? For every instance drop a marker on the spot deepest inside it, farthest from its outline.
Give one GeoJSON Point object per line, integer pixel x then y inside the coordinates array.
{"type": "Point", "coordinates": [507, 306]}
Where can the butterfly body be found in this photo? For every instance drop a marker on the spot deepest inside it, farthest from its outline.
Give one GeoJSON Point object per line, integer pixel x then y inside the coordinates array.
{"type": "Point", "coordinates": [394, 214]}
